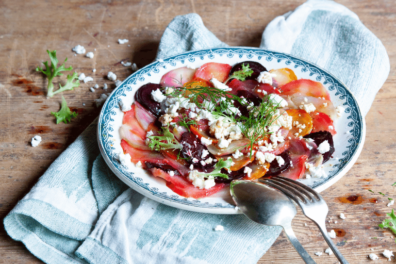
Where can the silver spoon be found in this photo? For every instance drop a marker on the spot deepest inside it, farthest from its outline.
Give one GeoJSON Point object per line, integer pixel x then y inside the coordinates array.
{"type": "Point", "coordinates": [267, 206]}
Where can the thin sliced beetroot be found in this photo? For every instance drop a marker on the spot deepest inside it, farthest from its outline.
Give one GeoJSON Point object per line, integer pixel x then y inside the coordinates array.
{"type": "Point", "coordinates": [192, 149]}
{"type": "Point", "coordinates": [255, 66]}
{"type": "Point", "coordinates": [143, 96]}
{"type": "Point", "coordinates": [275, 169]}
{"type": "Point", "coordinates": [250, 97]}
{"type": "Point", "coordinates": [161, 165]}
{"type": "Point", "coordinates": [320, 137]}
{"type": "Point", "coordinates": [232, 175]}
{"type": "Point", "coordinates": [237, 85]}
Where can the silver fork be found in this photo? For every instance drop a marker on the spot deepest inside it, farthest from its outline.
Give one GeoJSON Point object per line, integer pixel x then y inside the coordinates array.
{"type": "Point", "coordinates": [312, 204]}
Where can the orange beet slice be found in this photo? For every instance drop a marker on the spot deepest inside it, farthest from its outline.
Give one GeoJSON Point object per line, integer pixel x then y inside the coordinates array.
{"type": "Point", "coordinates": [282, 77]}
{"type": "Point", "coordinates": [303, 118]}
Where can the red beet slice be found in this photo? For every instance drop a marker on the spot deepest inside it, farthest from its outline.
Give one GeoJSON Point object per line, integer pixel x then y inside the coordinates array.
{"type": "Point", "coordinates": [320, 137]}
{"type": "Point", "coordinates": [232, 175]}
{"type": "Point", "coordinates": [193, 149]}
{"type": "Point", "coordinates": [275, 169]}
{"type": "Point", "coordinates": [143, 96]}
{"type": "Point", "coordinates": [255, 66]}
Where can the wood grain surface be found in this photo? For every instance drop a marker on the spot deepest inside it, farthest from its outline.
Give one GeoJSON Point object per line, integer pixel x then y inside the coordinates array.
{"type": "Point", "coordinates": [28, 28]}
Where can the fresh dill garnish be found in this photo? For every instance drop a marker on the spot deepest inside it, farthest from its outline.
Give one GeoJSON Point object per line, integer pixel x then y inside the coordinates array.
{"type": "Point", "coordinates": [241, 74]}
{"type": "Point", "coordinates": [166, 141]}
{"type": "Point", "coordinates": [382, 193]}
{"type": "Point", "coordinates": [186, 122]}
{"type": "Point", "coordinates": [371, 191]}
{"type": "Point", "coordinates": [255, 127]}
{"type": "Point", "coordinates": [390, 199]}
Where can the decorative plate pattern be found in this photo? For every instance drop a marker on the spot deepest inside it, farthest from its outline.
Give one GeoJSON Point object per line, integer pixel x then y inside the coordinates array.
{"type": "Point", "coordinates": [348, 141]}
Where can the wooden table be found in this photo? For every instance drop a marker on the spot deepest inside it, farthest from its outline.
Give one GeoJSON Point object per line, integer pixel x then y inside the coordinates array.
{"type": "Point", "coordinates": [28, 28]}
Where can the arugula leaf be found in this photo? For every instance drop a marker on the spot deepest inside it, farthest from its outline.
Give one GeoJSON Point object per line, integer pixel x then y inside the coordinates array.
{"type": "Point", "coordinates": [390, 222]}
{"type": "Point", "coordinates": [241, 74]}
{"type": "Point", "coordinates": [156, 142]}
{"type": "Point", "coordinates": [64, 114]}
{"type": "Point", "coordinates": [53, 71]}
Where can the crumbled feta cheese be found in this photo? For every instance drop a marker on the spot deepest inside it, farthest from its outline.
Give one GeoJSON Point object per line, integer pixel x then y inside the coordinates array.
{"type": "Point", "coordinates": [277, 100]}
{"type": "Point", "coordinates": [158, 96]}
{"type": "Point", "coordinates": [126, 64]}
{"type": "Point", "coordinates": [223, 143]}
{"type": "Point", "coordinates": [100, 100]}
{"type": "Point", "coordinates": [79, 49]}
{"type": "Point", "coordinates": [325, 104]}
{"type": "Point", "coordinates": [191, 167]}
{"type": "Point", "coordinates": [206, 141]}
{"type": "Point", "coordinates": [324, 147]}
{"type": "Point", "coordinates": [305, 99]}
{"type": "Point", "coordinates": [269, 157]}
{"type": "Point", "coordinates": [169, 90]}
{"type": "Point", "coordinates": [92, 89]}
{"type": "Point", "coordinates": [308, 107]}
{"type": "Point", "coordinates": [265, 77]}
{"type": "Point", "coordinates": [388, 254]}
{"type": "Point", "coordinates": [105, 86]}
{"type": "Point", "coordinates": [96, 86]}
{"type": "Point", "coordinates": [204, 153]}
{"type": "Point", "coordinates": [237, 154]}
{"type": "Point", "coordinates": [93, 70]}
{"type": "Point", "coordinates": [124, 106]}
{"type": "Point", "coordinates": [122, 41]}
{"type": "Point", "coordinates": [331, 127]}
{"type": "Point", "coordinates": [195, 160]}
{"type": "Point", "coordinates": [199, 181]}
{"type": "Point", "coordinates": [81, 77]}
{"type": "Point", "coordinates": [88, 79]}
{"type": "Point", "coordinates": [248, 171]}
{"type": "Point", "coordinates": [329, 251]}
{"type": "Point", "coordinates": [171, 173]}
{"type": "Point", "coordinates": [219, 228]}
{"type": "Point", "coordinates": [342, 216]}
{"type": "Point", "coordinates": [118, 83]}
{"type": "Point", "coordinates": [318, 254]}
{"type": "Point", "coordinates": [134, 67]}
{"type": "Point", "coordinates": [219, 85]}
{"type": "Point", "coordinates": [372, 256]}
{"type": "Point", "coordinates": [280, 160]}
{"type": "Point", "coordinates": [111, 76]}
{"type": "Point", "coordinates": [36, 141]}
{"type": "Point", "coordinates": [277, 137]}
{"type": "Point", "coordinates": [340, 110]}
{"type": "Point", "coordinates": [332, 234]}
{"type": "Point", "coordinates": [316, 172]}
{"type": "Point", "coordinates": [209, 160]}
{"type": "Point", "coordinates": [390, 203]}
{"type": "Point", "coordinates": [89, 55]}
{"type": "Point", "coordinates": [125, 159]}
{"type": "Point", "coordinates": [192, 115]}
{"type": "Point", "coordinates": [165, 119]}
{"type": "Point", "coordinates": [139, 164]}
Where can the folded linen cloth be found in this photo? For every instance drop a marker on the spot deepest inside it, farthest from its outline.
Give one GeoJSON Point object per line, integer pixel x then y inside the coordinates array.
{"type": "Point", "coordinates": [80, 212]}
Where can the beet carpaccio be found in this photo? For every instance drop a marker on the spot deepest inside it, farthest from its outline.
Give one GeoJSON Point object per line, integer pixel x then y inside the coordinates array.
{"type": "Point", "coordinates": [199, 129]}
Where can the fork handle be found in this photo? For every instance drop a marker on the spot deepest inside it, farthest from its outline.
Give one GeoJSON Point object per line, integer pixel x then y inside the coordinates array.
{"type": "Point", "coordinates": [297, 245]}
{"type": "Point", "coordinates": [333, 247]}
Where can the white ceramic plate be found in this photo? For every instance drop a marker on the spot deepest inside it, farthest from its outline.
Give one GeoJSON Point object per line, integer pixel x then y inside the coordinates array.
{"type": "Point", "coordinates": [348, 141]}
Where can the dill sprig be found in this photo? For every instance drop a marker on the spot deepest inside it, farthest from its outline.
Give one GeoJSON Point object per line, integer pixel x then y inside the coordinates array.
{"type": "Point", "coordinates": [255, 126]}
{"type": "Point", "coordinates": [241, 74]}
{"type": "Point", "coordinates": [186, 122]}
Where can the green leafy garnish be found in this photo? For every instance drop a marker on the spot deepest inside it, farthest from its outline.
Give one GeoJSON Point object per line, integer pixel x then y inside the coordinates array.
{"type": "Point", "coordinates": [255, 127]}
{"type": "Point", "coordinates": [71, 83]}
{"type": "Point", "coordinates": [371, 191]}
{"type": "Point", "coordinates": [166, 141]}
{"type": "Point", "coordinates": [53, 71]}
{"type": "Point", "coordinates": [394, 184]}
{"type": "Point", "coordinates": [64, 114]}
{"type": "Point", "coordinates": [185, 122]}
{"type": "Point", "coordinates": [390, 199]}
{"type": "Point", "coordinates": [389, 222]}
{"type": "Point", "coordinates": [241, 74]}
{"type": "Point", "coordinates": [382, 193]}
{"type": "Point", "coordinates": [221, 164]}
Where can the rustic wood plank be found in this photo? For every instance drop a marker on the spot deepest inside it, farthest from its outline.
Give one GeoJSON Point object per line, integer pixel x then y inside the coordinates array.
{"type": "Point", "coordinates": [31, 27]}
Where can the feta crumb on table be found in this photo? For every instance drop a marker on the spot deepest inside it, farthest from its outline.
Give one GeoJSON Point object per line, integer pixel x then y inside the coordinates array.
{"type": "Point", "coordinates": [92, 89]}
{"type": "Point", "coordinates": [79, 49]}
{"type": "Point", "coordinates": [390, 203]}
{"type": "Point", "coordinates": [111, 76]}
{"type": "Point", "coordinates": [118, 83]}
{"type": "Point", "coordinates": [332, 234]}
{"type": "Point", "coordinates": [89, 55]}
{"type": "Point", "coordinates": [105, 86]}
{"type": "Point", "coordinates": [387, 254]}
{"type": "Point", "coordinates": [372, 256]}
{"type": "Point", "coordinates": [329, 251]}
{"type": "Point", "coordinates": [134, 67]}
{"type": "Point", "coordinates": [88, 79]}
{"type": "Point", "coordinates": [101, 100]}
{"type": "Point", "coordinates": [36, 141]}
{"type": "Point", "coordinates": [219, 228]}
{"type": "Point", "coordinates": [318, 253]}
{"type": "Point", "coordinates": [81, 77]}
{"type": "Point", "coordinates": [126, 64]}
{"type": "Point", "coordinates": [122, 41]}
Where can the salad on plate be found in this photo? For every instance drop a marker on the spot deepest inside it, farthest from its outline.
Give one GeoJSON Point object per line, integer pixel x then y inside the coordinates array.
{"type": "Point", "coordinates": [199, 129]}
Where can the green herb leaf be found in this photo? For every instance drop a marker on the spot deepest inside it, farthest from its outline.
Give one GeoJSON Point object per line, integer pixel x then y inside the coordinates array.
{"type": "Point", "coordinates": [390, 222]}
{"type": "Point", "coordinates": [157, 142]}
{"type": "Point", "coordinates": [221, 164]}
{"type": "Point", "coordinates": [71, 83]}
{"type": "Point", "coordinates": [53, 71]}
{"type": "Point", "coordinates": [241, 74]}
{"type": "Point", "coordinates": [64, 115]}
{"type": "Point", "coordinates": [371, 191]}
{"type": "Point", "coordinates": [382, 193]}
{"type": "Point", "coordinates": [394, 184]}
{"type": "Point", "coordinates": [186, 122]}
{"type": "Point", "coordinates": [390, 199]}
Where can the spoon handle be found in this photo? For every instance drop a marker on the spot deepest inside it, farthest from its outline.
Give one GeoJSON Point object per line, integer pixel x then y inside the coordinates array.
{"type": "Point", "coordinates": [297, 245]}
